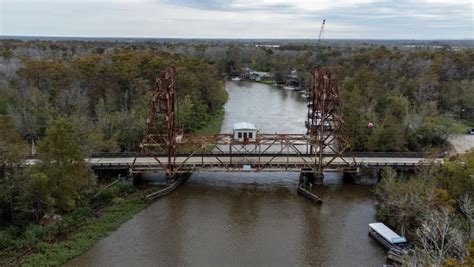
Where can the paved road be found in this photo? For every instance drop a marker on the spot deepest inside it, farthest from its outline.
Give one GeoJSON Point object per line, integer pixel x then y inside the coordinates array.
{"type": "Point", "coordinates": [461, 143]}
{"type": "Point", "coordinates": [279, 163]}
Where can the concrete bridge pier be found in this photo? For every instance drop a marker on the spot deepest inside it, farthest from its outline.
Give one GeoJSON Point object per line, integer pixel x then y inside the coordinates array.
{"type": "Point", "coordinates": [377, 174]}
{"type": "Point", "coordinates": [305, 180]}
{"type": "Point", "coordinates": [318, 178]}
{"type": "Point", "coordinates": [171, 178]}
{"type": "Point", "coordinates": [309, 178]}
{"type": "Point", "coordinates": [357, 176]}
{"type": "Point", "coordinates": [110, 174]}
{"type": "Point", "coordinates": [352, 177]}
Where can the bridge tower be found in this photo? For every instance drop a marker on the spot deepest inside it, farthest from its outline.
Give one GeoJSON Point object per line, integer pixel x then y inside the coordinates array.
{"type": "Point", "coordinates": [161, 133]}
{"type": "Point", "coordinates": [324, 123]}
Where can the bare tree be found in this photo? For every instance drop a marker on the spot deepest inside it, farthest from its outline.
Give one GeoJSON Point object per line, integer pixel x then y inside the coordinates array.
{"type": "Point", "coordinates": [416, 257]}
{"type": "Point", "coordinates": [466, 206]}
{"type": "Point", "coordinates": [440, 238]}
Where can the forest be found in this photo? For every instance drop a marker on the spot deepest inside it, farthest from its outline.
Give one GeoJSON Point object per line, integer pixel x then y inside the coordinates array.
{"type": "Point", "coordinates": [414, 97]}
{"type": "Point", "coordinates": [105, 96]}
{"type": "Point", "coordinates": [76, 98]}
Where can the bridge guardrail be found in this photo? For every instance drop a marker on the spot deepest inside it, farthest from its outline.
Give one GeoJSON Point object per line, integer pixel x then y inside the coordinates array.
{"type": "Point", "coordinates": [349, 154]}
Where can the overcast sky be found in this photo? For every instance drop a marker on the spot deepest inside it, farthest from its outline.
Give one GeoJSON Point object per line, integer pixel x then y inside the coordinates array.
{"type": "Point", "coordinates": [379, 19]}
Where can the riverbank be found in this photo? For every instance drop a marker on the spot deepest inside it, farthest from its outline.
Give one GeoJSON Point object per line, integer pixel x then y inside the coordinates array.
{"type": "Point", "coordinates": [76, 232]}
{"type": "Point", "coordinates": [214, 126]}
{"type": "Point", "coordinates": [80, 230]}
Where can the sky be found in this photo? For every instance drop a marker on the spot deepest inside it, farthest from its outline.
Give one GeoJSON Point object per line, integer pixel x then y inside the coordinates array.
{"type": "Point", "coordinates": [345, 19]}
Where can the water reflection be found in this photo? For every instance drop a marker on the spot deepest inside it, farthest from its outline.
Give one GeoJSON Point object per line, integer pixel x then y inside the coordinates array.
{"type": "Point", "coordinates": [271, 109]}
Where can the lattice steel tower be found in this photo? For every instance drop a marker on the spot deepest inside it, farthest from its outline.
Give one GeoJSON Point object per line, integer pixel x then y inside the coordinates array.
{"type": "Point", "coordinates": [161, 134]}
{"type": "Point", "coordinates": [325, 121]}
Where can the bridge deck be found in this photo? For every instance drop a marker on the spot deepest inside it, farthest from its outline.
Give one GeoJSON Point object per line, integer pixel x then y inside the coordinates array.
{"type": "Point", "coordinates": [229, 163]}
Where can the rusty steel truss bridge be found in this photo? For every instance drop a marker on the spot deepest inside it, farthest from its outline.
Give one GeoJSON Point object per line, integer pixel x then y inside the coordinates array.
{"type": "Point", "coordinates": [165, 147]}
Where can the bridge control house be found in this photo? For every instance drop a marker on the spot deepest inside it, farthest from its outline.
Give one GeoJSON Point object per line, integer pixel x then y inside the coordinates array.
{"type": "Point", "coordinates": [245, 132]}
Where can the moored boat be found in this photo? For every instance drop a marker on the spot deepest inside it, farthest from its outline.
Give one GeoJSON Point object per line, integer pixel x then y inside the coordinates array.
{"type": "Point", "coordinates": [388, 238]}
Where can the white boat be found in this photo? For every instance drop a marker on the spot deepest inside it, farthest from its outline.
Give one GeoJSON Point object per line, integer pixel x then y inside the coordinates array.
{"type": "Point", "coordinates": [236, 79]}
{"type": "Point", "coordinates": [291, 88]}
{"type": "Point", "coordinates": [388, 238]}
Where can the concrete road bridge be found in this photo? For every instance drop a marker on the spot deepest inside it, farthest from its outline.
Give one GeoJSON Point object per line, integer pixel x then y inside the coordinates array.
{"type": "Point", "coordinates": [258, 162]}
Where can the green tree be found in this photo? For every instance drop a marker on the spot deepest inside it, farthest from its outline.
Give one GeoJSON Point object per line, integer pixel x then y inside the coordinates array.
{"type": "Point", "coordinates": [12, 150]}
{"type": "Point", "coordinates": [35, 195]}
{"type": "Point", "coordinates": [192, 114]}
{"type": "Point", "coordinates": [389, 136]}
{"type": "Point", "coordinates": [12, 147]}
{"type": "Point", "coordinates": [457, 176]}
{"type": "Point", "coordinates": [62, 162]}
{"type": "Point", "coordinates": [432, 132]}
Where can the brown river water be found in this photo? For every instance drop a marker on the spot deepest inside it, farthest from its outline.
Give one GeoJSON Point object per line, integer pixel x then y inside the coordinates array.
{"type": "Point", "coordinates": [249, 219]}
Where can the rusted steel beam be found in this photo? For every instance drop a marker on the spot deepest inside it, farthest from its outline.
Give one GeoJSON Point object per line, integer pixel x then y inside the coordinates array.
{"type": "Point", "coordinates": [163, 138]}
{"type": "Point", "coordinates": [324, 124]}
{"type": "Point", "coordinates": [161, 133]}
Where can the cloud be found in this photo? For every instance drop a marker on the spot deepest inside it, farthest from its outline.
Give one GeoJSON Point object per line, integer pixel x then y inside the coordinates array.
{"type": "Point", "coordinates": [424, 19]}
{"type": "Point", "coordinates": [300, 5]}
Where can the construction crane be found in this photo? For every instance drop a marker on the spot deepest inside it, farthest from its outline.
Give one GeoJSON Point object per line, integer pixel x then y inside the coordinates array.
{"type": "Point", "coordinates": [321, 33]}
{"type": "Point", "coordinates": [317, 50]}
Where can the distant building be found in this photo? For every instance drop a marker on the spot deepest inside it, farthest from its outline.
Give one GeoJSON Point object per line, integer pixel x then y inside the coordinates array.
{"type": "Point", "coordinates": [257, 76]}
{"type": "Point", "coordinates": [292, 81]}
{"type": "Point", "coordinates": [268, 45]}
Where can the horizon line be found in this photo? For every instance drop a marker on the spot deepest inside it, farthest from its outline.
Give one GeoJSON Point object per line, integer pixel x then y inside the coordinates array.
{"type": "Point", "coordinates": [236, 38]}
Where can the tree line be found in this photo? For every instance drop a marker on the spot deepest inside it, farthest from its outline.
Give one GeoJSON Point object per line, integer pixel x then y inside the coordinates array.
{"type": "Point", "coordinates": [107, 95]}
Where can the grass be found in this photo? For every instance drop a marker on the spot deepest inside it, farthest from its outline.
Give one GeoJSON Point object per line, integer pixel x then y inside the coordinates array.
{"type": "Point", "coordinates": [267, 82]}
{"type": "Point", "coordinates": [75, 233]}
{"type": "Point", "coordinates": [92, 231]}
{"type": "Point", "coordinates": [214, 126]}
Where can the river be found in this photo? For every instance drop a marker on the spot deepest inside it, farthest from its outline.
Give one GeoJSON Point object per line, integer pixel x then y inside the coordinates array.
{"type": "Point", "coordinates": [248, 219]}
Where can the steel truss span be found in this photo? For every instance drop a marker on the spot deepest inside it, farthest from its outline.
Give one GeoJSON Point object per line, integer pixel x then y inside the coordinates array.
{"type": "Point", "coordinates": [165, 147]}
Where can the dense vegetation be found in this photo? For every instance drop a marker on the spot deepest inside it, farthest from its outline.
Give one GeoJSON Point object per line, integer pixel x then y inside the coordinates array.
{"type": "Point", "coordinates": [434, 209]}
{"type": "Point", "coordinates": [60, 183]}
{"type": "Point", "coordinates": [105, 95]}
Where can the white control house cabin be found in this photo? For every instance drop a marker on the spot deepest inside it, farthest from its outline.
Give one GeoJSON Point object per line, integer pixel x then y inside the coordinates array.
{"type": "Point", "coordinates": [245, 132]}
